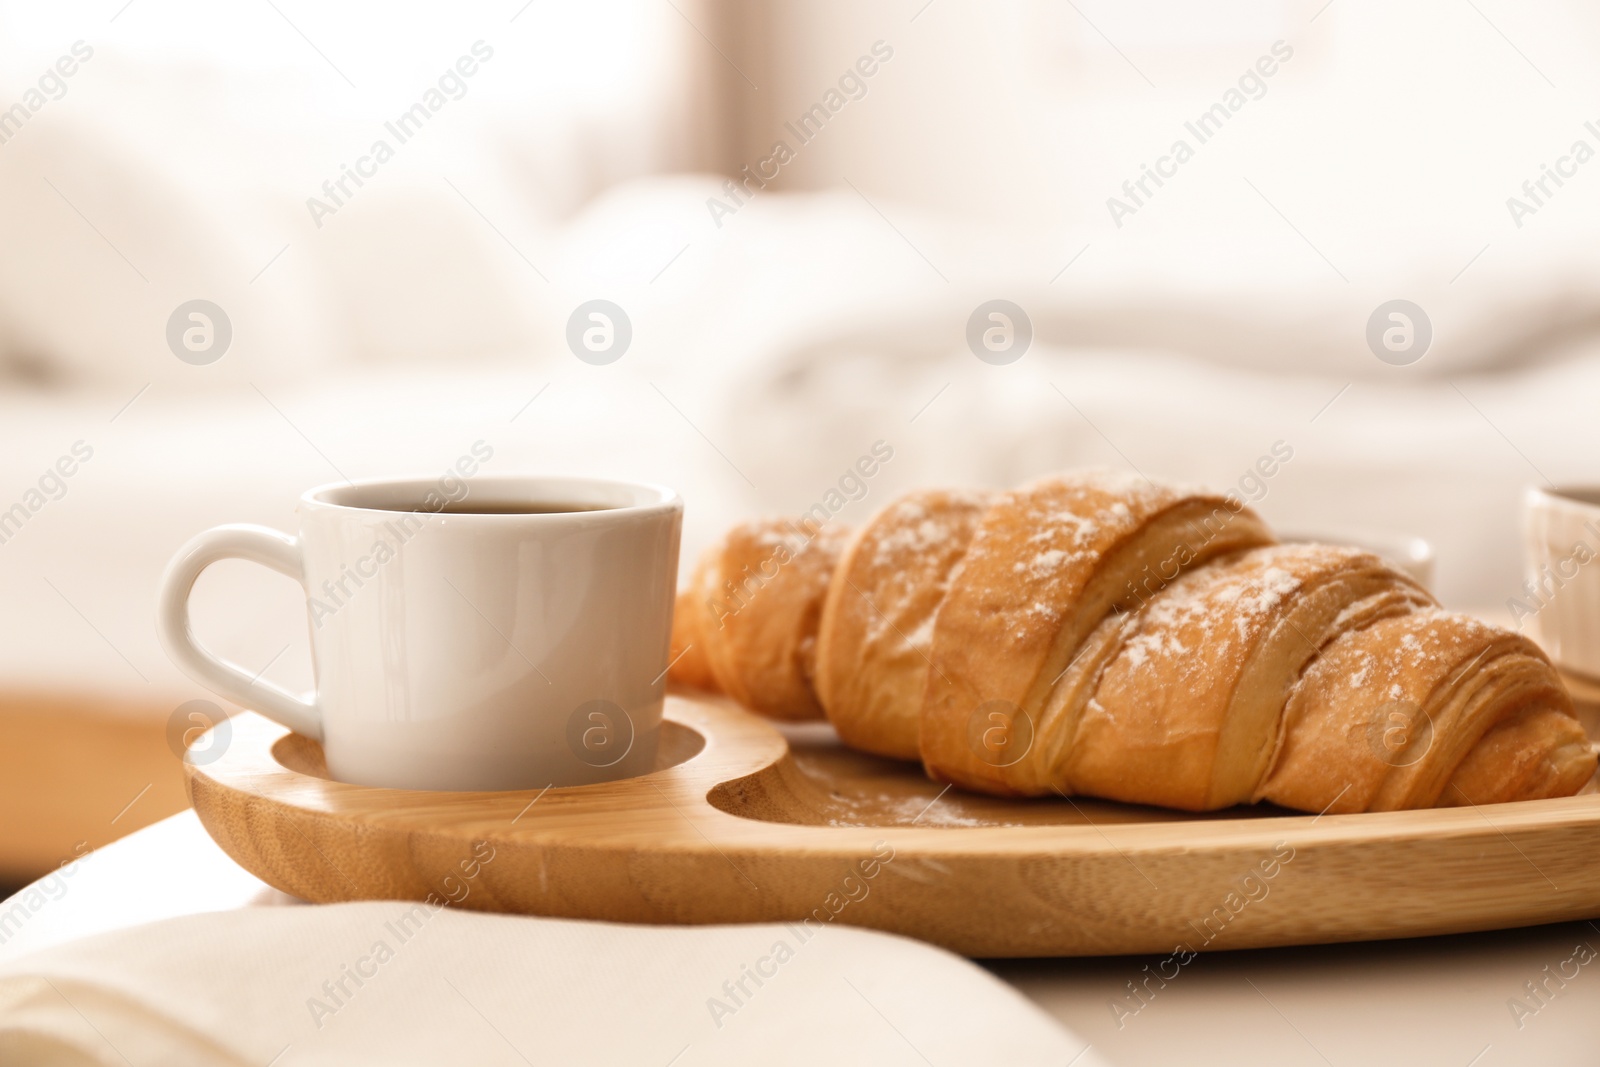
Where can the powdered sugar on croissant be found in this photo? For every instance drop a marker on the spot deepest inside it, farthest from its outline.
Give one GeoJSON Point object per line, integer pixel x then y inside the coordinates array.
{"type": "Point", "coordinates": [1097, 634]}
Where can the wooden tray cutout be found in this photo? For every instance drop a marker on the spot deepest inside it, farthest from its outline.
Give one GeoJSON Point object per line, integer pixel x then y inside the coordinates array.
{"type": "Point", "coordinates": [744, 823]}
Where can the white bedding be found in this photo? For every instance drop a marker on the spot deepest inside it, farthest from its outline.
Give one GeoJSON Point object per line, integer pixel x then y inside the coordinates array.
{"type": "Point", "coordinates": [767, 356]}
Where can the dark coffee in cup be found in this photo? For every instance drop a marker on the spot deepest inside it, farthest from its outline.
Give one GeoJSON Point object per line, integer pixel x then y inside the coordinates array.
{"type": "Point", "coordinates": [532, 507]}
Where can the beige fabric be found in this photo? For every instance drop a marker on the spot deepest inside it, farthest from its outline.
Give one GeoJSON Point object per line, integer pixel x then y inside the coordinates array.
{"type": "Point", "coordinates": [395, 983]}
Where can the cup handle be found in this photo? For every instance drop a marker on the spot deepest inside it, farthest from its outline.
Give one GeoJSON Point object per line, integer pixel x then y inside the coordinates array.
{"type": "Point", "coordinates": [259, 544]}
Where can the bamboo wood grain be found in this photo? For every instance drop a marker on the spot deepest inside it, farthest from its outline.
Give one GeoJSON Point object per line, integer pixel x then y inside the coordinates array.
{"type": "Point", "coordinates": [744, 823]}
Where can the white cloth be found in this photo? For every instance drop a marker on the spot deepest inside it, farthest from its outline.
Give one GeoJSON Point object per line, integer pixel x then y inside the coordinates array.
{"type": "Point", "coordinates": [395, 983]}
{"type": "Point", "coordinates": [763, 367]}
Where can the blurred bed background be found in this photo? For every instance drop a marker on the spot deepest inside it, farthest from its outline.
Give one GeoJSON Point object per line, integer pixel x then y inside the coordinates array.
{"type": "Point", "coordinates": [937, 154]}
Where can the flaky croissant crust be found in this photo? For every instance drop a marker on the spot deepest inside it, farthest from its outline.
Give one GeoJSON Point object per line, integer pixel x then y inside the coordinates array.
{"type": "Point", "coordinates": [1096, 634]}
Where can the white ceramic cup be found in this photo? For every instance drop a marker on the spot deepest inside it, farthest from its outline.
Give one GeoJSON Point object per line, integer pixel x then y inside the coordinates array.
{"type": "Point", "coordinates": [463, 644]}
{"type": "Point", "coordinates": [1561, 588]}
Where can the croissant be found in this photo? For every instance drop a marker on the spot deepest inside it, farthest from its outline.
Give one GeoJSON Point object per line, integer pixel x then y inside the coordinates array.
{"type": "Point", "coordinates": [764, 657]}
{"type": "Point", "coordinates": [1099, 635]}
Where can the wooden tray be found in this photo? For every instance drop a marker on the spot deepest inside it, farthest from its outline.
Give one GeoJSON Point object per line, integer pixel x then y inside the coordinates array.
{"type": "Point", "coordinates": [744, 823]}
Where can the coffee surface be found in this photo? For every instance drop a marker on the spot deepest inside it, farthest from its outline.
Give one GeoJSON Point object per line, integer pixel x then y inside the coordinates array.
{"type": "Point", "coordinates": [532, 507]}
